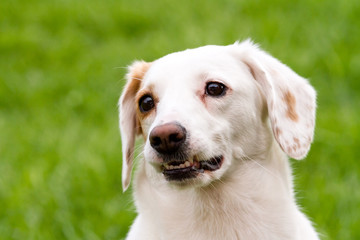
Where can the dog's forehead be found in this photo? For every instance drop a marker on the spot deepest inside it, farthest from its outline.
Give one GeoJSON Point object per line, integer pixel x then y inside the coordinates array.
{"type": "Point", "coordinates": [187, 66]}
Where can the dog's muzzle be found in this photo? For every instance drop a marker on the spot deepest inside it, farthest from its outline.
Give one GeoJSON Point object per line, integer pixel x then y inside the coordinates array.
{"type": "Point", "coordinates": [169, 140]}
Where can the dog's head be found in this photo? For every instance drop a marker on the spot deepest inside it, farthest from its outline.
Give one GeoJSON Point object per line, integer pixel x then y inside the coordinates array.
{"type": "Point", "coordinates": [200, 110]}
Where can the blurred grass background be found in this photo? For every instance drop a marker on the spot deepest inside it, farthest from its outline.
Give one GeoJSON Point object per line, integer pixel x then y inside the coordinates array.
{"type": "Point", "coordinates": [61, 73]}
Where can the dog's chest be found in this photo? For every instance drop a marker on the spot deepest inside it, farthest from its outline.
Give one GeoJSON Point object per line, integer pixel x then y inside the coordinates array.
{"type": "Point", "coordinates": [234, 224]}
{"type": "Point", "coordinates": [215, 218]}
{"type": "Point", "coordinates": [223, 211]}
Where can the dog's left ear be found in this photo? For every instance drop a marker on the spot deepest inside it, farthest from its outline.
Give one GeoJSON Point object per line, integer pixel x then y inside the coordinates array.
{"type": "Point", "coordinates": [128, 121]}
{"type": "Point", "coordinates": [291, 100]}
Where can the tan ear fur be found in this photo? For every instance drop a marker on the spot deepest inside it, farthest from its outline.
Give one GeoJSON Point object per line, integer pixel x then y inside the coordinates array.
{"type": "Point", "coordinates": [128, 121]}
{"type": "Point", "coordinates": [291, 100]}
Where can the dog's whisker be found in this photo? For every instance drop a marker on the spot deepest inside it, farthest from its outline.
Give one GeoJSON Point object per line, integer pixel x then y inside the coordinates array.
{"type": "Point", "coordinates": [119, 67]}
{"type": "Point", "coordinates": [264, 168]}
{"type": "Point", "coordinates": [138, 79]}
{"type": "Point", "coordinates": [137, 151]}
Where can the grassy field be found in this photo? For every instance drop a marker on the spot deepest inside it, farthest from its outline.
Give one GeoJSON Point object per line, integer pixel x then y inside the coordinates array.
{"type": "Point", "coordinates": [61, 72]}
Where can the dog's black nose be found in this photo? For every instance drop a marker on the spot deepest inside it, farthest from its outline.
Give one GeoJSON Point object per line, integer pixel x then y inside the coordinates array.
{"type": "Point", "coordinates": [167, 138]}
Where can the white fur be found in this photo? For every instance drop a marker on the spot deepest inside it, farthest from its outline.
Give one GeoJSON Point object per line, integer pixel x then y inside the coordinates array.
{"type": "Point", "coordinates": [267, 112]}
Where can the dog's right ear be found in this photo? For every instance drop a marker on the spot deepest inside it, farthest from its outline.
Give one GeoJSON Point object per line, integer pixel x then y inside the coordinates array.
{"type": "Point", "coordinates": [128, 121]}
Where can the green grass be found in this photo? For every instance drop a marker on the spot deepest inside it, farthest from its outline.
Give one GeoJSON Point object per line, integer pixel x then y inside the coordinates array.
{"type": "Point", "coordinates": [61, 73]}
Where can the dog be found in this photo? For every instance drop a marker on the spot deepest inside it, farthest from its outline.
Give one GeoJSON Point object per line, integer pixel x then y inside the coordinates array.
{"type": "Point", "coordinates": [218, 124]}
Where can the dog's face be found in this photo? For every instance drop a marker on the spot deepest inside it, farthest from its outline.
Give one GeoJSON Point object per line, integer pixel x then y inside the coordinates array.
{"type": "Point", "coordinates": [202, 110]}
{"type": "Point", "coordinates": [189, 106]}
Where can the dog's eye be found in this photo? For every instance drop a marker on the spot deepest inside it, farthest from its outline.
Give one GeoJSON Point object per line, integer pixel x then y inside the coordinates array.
{"type": "Point", "coordinates": [146, 103]}
{"type": "Point", "coordinates": [215, 89]}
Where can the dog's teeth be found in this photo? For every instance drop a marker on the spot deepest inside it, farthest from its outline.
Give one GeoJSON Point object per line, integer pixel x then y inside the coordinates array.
{"type": "Point", "coordinates": [197, 164]}
{"type": "Point", "coordinates": [186, 164]}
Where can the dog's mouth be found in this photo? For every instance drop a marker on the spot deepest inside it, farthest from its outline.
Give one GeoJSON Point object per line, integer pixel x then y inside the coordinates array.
{"type": "Point", "coordinates": [178, 171]}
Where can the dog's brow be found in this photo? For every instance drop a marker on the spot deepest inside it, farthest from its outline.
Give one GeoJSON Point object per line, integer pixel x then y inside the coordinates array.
{"type": "Point", "coordinates": [204, 76]}
{"type": "Point", "coordinates": [148, 90]}
{"type": "Point", "coordinates": [142, 93]}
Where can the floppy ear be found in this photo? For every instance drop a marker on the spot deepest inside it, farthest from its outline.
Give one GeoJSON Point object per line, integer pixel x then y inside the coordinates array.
{"type": "Point", "coordinates": [129, 123]}
{"type": "Point", "coordinates": [291, 100]}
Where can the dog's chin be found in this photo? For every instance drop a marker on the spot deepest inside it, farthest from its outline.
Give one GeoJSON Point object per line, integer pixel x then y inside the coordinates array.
{"type": "Point", "coordinates": [190, 171]}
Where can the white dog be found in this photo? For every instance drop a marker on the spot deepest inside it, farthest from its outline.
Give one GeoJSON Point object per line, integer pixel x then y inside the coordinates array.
{"type": "Point", "coordinates": [217, 122]}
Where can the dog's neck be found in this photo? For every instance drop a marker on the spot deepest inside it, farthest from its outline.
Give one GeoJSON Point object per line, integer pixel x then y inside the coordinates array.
{"type": "Point", "coordinates": [243, 196]}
